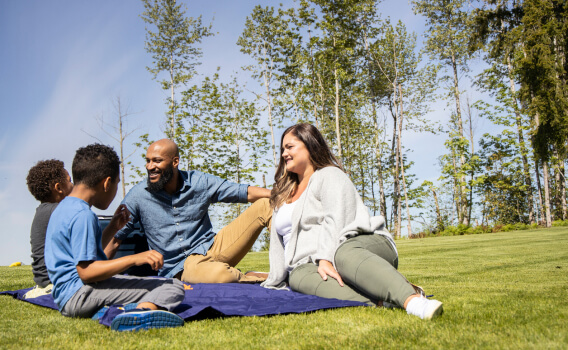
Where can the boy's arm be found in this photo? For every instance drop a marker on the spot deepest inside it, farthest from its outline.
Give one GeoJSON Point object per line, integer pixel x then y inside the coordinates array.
{"type": "Point", "coordinates": [100, 270]}
{"type": "Point", "coordinates": [112, 247]}
{"type": "Point", "coordinates": [256, 193]}
{"type": "Point", "coordinates": [119, 219]}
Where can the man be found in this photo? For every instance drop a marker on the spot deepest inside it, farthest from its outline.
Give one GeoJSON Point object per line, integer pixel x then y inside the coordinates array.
{"type": "Point", "coordinates": [172, 208]}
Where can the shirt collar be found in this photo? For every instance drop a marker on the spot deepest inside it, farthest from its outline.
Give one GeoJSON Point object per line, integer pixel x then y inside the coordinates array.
{"type": "Point", "coordinates": [185, 181]}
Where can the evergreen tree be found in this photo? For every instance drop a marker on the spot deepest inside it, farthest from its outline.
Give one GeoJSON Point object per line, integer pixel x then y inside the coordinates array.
{"type": "Point", "coordinates": [530, 38]}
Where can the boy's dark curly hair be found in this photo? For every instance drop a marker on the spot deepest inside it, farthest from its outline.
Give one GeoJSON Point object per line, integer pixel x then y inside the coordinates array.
{"type": "Point", "coordinates": [94, 163]}
{"type": "Point", "coordinates": [43, 176]}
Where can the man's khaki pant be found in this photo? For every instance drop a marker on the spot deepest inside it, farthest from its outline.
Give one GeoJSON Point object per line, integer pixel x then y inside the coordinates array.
{"type": "Point", "coordinates": [231, 244]}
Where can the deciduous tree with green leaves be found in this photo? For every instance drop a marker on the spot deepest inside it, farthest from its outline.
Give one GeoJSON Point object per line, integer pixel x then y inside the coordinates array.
{"type": "Point", "coordinates": [447, 36]}
{"type": "Point", "coordinates": [171, 39]}
{"type": "Point", "coordinates": [268, 39]}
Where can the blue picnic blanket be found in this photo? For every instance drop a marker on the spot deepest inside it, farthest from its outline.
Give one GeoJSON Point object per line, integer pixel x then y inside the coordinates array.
{"type": "Point", "coordinates": [205, 300]}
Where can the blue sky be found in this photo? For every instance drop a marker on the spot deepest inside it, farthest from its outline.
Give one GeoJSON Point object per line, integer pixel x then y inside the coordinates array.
{"type": "Point", "coordinates": [63, 61]}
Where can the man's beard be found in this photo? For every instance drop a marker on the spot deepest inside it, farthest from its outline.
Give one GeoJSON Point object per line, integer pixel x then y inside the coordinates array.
{"type": "Point", "coordinates": [165, 177]}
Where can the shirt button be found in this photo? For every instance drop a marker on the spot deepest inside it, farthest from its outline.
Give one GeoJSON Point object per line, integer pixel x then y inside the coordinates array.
{"type": "Point", "coordinates": [177, 223]}
{"type": "Point", "coordinates": [181, 239]}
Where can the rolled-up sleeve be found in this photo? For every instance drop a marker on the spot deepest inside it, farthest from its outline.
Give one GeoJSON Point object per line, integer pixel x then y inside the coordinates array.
{"type": "Point", "coordinates": [226, 191]}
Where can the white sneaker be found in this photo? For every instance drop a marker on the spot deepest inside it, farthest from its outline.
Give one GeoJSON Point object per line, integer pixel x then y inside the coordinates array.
{"type": "Point", "coordinates": [37, 291]}
{"type": "Point", "coordinates": [424, 308]}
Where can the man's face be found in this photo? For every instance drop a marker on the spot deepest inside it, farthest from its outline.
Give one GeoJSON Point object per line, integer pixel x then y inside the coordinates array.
{"type": "Point", "coordinates": [160, 168]}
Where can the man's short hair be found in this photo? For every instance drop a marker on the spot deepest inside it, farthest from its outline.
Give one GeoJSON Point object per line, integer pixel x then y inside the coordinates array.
{"type": "Point", "coordinates": [43, 176]}
{"type": "Point", "coordinates": [94, 163]}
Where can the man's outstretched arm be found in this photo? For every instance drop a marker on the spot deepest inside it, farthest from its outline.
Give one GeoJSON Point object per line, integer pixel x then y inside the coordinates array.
{"type": "Point", "coordinates": [256, 193]}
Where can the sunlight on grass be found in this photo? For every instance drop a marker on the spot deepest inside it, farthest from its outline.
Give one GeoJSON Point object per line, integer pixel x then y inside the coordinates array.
{"type": "Point", "coordinates": [504, 290]}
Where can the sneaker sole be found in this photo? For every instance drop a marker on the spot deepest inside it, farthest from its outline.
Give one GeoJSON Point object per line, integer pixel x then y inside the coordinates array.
{"type": "Point", "coordinates": [436, 310]}
{"type": "Point", "coordinates": [145, 320]}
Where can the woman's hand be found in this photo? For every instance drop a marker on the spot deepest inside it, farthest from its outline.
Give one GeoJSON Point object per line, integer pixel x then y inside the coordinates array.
{"type": "Point", "coordinates": [325, 268]}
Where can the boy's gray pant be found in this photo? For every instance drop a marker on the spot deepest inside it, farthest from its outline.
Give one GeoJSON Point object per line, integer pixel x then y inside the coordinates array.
{"type": "Point", "coordinates": [367, 264]}
{"type": "Point", "coordinates": [121, 289]}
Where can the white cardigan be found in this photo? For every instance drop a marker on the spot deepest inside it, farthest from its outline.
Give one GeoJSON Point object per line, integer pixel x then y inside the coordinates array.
{"type": "Point", "coordinates": [328, 212]}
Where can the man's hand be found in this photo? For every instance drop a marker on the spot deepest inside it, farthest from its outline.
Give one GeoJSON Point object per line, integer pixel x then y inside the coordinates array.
{"type": "Point", "coordinates": [325, 268]}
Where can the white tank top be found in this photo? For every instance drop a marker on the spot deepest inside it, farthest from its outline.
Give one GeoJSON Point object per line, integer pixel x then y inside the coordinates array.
{"type": "Point", "coordinates": [282, 221]}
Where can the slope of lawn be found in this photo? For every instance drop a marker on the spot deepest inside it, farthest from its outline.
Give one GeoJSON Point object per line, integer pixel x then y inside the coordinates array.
{"type": "Point", "coordinates": [500, 291]}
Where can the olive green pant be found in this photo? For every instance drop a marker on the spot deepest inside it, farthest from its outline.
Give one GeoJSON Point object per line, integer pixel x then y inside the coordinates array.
{"type": "Point", "coordinates": [367, 264]}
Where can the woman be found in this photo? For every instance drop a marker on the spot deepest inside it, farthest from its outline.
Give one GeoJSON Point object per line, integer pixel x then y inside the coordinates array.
{"type": "Point", "coordinates": [322, 229]}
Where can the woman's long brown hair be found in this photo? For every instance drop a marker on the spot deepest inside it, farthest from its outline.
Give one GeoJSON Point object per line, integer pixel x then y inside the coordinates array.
{"type": "Point", "coordinates": [320, 157]}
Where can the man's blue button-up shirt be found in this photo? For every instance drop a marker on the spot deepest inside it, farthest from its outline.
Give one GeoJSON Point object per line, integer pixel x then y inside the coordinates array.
{"type": "Point", "coordinates": [178, 225]}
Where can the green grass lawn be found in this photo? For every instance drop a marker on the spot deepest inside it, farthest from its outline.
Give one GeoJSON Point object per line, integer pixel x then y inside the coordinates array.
{"type": "Point", "coordinates": [500, 291]}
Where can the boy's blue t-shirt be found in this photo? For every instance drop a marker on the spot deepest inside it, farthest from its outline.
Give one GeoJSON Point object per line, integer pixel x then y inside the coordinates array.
{"type": "Point", "coordinates": [73, 235]}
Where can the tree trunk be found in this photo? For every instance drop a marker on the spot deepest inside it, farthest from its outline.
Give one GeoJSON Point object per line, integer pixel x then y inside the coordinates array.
{"type": "Point", "coordinates": [545, 178]}
{"type": "Point", "coordinates": [399, 147]}
{"type": "Point", "coordinates": [463, 191]}
{"type": "Point", "coordinates": [457, 192]}
{"type": "Point", "coordinates": [472, 150]}
{"type": "Point", "coordinates": [521, 138]}
{"type": "Point", "coordinates": [337, 130]}
{"type": "Point", "coordinates": [269, 103]}
{"type": "Point", "coordinates": [562, 187]}
{"type": "Point", "coordinates": [121, 143]}
{"type": "Point", "coordinates": [560, 200]}
{"type": "Point", "coordinates": [382, 197]}
{"type": "Point", "coordinates": [396, 177]}
{"type": "Point", "coordinates": [438, 211]}
{"type": "Point", "coordinates": [172, 94]}
{"type": "Point", "coordinates": [539, 191]}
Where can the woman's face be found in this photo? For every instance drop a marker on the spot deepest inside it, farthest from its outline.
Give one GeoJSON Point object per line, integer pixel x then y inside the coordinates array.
{"type": "Point", "coordinates": [295, 154]}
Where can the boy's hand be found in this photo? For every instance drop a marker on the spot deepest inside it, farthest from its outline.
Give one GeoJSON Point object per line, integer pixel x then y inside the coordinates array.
{"type": "Point", "coordinates": [150, 257]}
{"type": "Point", "coordinates": [120, 218]}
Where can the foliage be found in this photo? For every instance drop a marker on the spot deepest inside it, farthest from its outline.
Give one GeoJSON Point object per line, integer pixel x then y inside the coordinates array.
{"type": "Point", "coordinates": [223, 136]}
{"type": "Point", "coordinates": [446, 38]}
{"type": "Point", "coordinates": [543, 72]}
{"type": "Point", "coordinates": [360, 79]}
{"type": "Point", "coordinates": [268, 39]}
{"type": "Point", "coordinates": [172, 46]}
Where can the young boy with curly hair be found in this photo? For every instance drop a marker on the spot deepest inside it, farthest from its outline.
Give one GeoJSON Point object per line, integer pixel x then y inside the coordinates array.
{"type": "Point", "coordinates": [84, 279]}
{"type": "Point", "coordinates": [49, 183]}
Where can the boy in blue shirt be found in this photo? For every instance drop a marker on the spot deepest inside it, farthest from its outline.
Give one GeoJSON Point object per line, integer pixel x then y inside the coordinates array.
{"type": "Point", "coordinates": [84, 279]}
